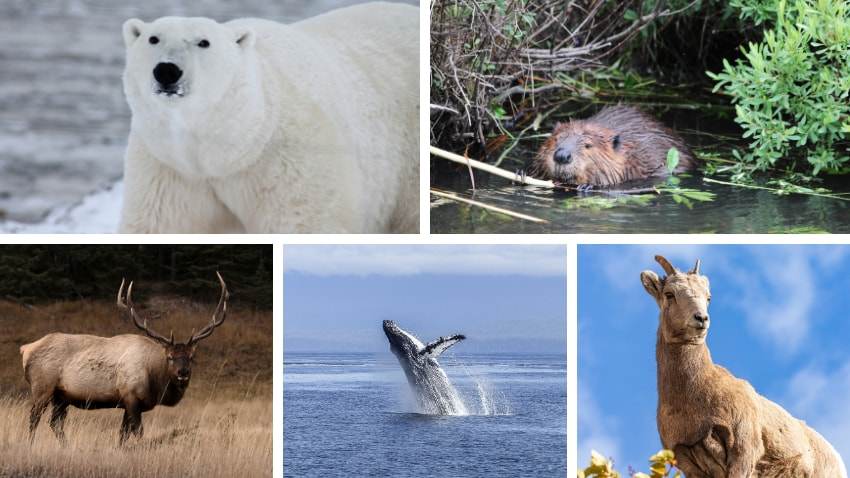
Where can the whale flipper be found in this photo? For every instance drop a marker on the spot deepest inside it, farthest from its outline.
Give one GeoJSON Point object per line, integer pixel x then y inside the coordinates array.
{"type": "Point", "coordinates": [435, 348]}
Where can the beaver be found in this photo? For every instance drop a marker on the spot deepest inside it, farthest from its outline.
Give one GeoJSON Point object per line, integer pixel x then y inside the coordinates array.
{"type": "Point", "coordinates": [618, 144]}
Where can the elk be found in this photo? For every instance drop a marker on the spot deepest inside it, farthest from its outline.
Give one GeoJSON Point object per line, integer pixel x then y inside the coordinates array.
{"type": "Point", "coordinates": [128, 371]}
{"type": "Point", "coordinates": [717, 425]}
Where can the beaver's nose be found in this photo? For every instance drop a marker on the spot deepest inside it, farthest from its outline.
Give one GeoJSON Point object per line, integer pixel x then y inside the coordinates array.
{"type": "Point", "coordinates": [563, 156]}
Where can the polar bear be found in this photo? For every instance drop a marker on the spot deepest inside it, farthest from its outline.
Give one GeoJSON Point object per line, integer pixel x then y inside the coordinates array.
{"type": "Point", "coordinates": [259, 127]}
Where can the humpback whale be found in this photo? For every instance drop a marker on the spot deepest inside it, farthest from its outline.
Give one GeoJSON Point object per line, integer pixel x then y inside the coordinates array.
{"type": "Point", "coordinates": [429, 383]}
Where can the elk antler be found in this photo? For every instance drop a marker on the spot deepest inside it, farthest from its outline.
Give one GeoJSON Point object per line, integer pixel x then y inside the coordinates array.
{"type": "Point", "coordinates": [220, 309]}
{"type": "Point", "coordinates": [136, 319]}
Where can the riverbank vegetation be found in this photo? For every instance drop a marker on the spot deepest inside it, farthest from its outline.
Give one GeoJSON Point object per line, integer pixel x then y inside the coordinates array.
{"type": "Point", "coordinates": [776, 71]}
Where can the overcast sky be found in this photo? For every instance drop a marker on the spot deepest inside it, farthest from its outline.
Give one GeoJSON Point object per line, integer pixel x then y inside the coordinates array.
{"type": "Point", "coordinates": [505, 298]}
{"type": "Point", "coordinates": [779, 319]}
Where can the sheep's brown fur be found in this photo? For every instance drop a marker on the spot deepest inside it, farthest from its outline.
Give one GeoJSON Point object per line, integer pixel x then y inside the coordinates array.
{"type": "Point", "coordinates": [717, 425]}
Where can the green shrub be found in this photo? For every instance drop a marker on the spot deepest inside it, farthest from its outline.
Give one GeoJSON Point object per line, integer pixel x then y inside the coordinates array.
{"type": "Point", "coordinates": [661, 464]}
{"type": "Point", "coordinates": [791, 90]}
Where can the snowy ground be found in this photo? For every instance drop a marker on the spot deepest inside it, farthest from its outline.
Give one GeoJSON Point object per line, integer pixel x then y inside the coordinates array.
{"type": "Point", "coordinates": [97, 213]}
{"type": "Point", "coordinates": [63, 119]}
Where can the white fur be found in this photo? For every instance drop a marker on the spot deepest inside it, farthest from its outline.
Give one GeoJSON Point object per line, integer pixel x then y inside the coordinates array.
{"type": "Point", "coordinates": [308, 127]}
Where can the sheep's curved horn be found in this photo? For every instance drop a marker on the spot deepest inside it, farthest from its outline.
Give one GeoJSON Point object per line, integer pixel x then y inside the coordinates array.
{"type": "Point", "coordinates": [696, 267]}
{"type": "Point", "coordinates": [665, 264]}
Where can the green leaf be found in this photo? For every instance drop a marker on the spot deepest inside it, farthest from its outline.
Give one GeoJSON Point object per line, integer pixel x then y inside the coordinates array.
{"type": "Point", "coordinates": [672, 159]}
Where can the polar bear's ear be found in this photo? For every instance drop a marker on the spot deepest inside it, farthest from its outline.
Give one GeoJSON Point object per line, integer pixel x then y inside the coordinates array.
{"type": "Point", "coordinates": [133, 29]}
{"type": "Point", "coordinates": [245, 37]}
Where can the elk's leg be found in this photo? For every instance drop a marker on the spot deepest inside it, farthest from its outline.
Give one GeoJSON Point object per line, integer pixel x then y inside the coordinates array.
{"type": "Point", "coordinates": [57, 419]}
{"type": "Point", "coordinates": [132, 422]}
{"type": "Point", "coordinates": [36, 411]}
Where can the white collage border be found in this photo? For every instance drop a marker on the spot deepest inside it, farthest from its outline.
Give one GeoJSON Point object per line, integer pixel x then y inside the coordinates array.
{"type": "Point", "coordinates": [570, 242]}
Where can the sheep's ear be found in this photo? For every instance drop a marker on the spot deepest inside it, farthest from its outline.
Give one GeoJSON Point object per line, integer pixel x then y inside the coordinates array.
{"type": "Point", "coordinates": [653, 284]}
{"type": "Point", "coordinates": [132, 30]}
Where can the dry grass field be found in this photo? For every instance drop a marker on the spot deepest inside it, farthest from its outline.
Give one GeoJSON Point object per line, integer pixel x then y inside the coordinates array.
{"type": "Point", "coordinates": [221, 428]}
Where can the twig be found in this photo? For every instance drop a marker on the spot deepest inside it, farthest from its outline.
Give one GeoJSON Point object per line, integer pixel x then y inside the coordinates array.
{"type": "Point", "coordinates": [454, 197]}
{"type": "Point", "coordinates": [436, 108]}
{"type": "Point", "coordinates": [488, 168]}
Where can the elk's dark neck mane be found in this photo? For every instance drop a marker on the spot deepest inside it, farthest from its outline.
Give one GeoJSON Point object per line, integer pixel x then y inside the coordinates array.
{"type": "Point", "coordinates": [172, 393]}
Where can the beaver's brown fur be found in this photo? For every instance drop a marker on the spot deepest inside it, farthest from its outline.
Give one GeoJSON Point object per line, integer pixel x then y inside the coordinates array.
{"type": "Point", "coordinates": [618, 144]}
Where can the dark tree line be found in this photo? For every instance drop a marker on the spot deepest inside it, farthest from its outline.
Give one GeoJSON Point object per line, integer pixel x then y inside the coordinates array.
{"type": "Point", "coordinates": [47, 273]}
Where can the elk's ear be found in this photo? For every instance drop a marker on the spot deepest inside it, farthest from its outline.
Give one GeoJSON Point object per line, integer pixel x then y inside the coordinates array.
{"type": "Point", "coordinates": [653, 285]}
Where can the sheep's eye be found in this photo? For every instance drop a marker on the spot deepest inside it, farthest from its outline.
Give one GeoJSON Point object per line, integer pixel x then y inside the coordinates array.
{"type": "Point", "coordinates": [204, 44]}
{"type": "Point", "coordinates": [708, 299]}
{"type": "Point", "coordinates": [153, 40]}
{"type": "Point", "coordinates": [669, 295]}
{"type": "Point", "coordinates": [588, 146]}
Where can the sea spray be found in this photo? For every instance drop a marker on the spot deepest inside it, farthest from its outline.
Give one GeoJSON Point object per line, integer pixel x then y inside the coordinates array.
{"type": "Point", "coordinates": [489, 399]}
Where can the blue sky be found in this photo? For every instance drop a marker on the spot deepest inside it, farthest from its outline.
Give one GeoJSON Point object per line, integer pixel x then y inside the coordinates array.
{"type": "Point", "coordinates": [779, 319]}
{"type": "Point", "coordinates": [505, 298]}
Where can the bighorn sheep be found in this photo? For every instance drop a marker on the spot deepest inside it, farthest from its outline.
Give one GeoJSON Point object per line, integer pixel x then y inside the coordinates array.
{"type": "Point", "coordinates": [126, 371]}
{"type": "Point", "coordinates": [718, 425]}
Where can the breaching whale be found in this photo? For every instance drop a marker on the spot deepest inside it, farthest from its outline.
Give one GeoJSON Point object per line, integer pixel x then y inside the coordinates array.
{"type": "Point", "coordinates": [429, 383]}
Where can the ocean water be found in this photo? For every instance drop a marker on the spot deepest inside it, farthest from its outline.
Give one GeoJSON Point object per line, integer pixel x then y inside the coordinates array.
{"type": "Point", "coordinates": [354, 415]}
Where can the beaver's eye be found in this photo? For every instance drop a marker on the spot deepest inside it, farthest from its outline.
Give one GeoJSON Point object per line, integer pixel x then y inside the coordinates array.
{"type": "Point", "coordinates": [153, 40]}
{"type": "Point", "coordinates": [588, 145]}
{"type": "Point", "coordinates": [204, 44]}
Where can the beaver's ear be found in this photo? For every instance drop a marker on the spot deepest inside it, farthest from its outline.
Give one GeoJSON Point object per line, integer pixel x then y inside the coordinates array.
{"type": "Point", "coordinates": [615, 143]}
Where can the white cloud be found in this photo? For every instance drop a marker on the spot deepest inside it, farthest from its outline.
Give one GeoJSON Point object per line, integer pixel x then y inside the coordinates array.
{"type": "Point", "coordinates": [778, 292]}
{"type": "Point", "coordinates": [595, 430]}
{"type": "Point", "coordinates": [820, 399]}
{"type": "Point", "coordinates": [622, 266]}
{"type": "Point", "coordinates": [392, 260]}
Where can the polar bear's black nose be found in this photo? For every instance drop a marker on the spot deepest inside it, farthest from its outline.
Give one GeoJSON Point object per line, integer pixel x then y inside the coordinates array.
{"type": "Point", "coordinates": [167, 73]}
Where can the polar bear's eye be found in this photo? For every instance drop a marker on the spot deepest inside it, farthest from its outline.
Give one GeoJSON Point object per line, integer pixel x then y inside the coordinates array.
{"type": "Point", "coordinates": [153, 40]}
{"type": "Point", "coordinates": [204, 44]}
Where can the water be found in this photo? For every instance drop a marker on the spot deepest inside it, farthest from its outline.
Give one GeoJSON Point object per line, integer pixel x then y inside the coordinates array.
{"type": "Point", "coordinates": [354, 415]}
{"type": "Point", "coordinates": [734, 210]}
